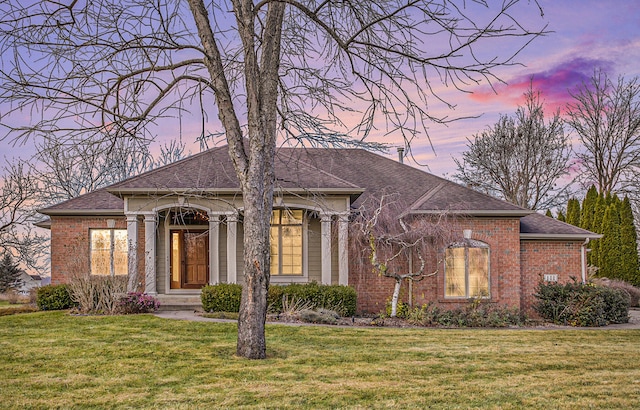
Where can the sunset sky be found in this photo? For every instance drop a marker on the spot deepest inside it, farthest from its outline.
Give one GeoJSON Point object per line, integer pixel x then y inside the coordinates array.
{"type": "Point", "coordinates": [587, 34]}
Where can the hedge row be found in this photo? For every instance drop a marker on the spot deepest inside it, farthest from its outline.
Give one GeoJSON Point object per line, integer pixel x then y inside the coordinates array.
{"type": "Point", "coordinates": [579, 304]}
{"type": "Point", "coordinates": [226, 297]}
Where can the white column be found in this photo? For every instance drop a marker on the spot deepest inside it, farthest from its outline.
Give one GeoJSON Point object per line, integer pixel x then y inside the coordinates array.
{"type": "Point", "coordinates": [325, 247]}
{"type": "Point", "coordinates": [214, 247]}
{"type": "Point", "coordinates": [343, 249]}
{"type": "Point", "coordinates": [232, 234]}
{"type": "Point", "coordinates": [150, 254]}
{"type": "Point", "coordinates": [132, 252]}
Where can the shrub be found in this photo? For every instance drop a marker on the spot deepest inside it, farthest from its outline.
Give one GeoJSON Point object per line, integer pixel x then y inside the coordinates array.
{"type": "Point", "coordinates": [341, 299]}
{"type": "Point", "coordinates": [13, 297]}
{"type": "Point", "coordinates": [136, 302]}
{"type": "Point", "coordinates": [475, 314]}
{"type": "Point", "coordinates": [223, 297]}
{"type": "Point", "coordinates": [579, 304]}
{"type": "Point", "coordinates": [633, 291]}
{"type": "Point", "coordinates": [54, 297]}
{"type": "Point", "coordinates": [324, 316]}
{"type": "Point", "coordinates": [402, 310]}
{"type": "Point", "coordinates": [97, 294]}
{"type": "Point", "coordinates": [17, 309]}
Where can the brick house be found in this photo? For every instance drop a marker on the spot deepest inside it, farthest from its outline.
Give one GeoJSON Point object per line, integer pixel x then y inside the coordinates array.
{"type": "Point", "coordinates": [179, 227]}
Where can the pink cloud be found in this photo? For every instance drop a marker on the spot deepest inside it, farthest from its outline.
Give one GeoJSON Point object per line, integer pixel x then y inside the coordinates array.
{"type": "Point", "coordinates": [555, 83]}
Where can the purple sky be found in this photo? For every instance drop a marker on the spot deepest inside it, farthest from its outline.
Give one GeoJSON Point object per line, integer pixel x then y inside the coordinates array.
{"type": "Point", "coordinates": [588, 34]}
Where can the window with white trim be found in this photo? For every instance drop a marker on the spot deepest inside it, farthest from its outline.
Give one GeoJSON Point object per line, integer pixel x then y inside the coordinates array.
{"type": "Point", "coordinates": [108, 252]}
{"type": "Point", "coordinates": [286, 242]}
{"type": "Point", "coordinates": [467, 270]}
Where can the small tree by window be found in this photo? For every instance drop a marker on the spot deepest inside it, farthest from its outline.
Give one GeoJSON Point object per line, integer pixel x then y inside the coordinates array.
{"type": "Point", "coordinates": [108, 252]}
{"type": "Point", "coordinates": [467, 270]}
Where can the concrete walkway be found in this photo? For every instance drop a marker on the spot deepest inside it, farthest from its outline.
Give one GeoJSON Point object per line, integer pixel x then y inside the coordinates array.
{"type": "Point", "coordinates": [634, 321]}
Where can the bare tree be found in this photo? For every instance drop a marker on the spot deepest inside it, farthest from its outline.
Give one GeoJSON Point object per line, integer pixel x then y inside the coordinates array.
{"type": "Point", "coordinates": [397, 245]}
{"type": "Point", "coordinates": [18, 236]}
{"type": "Point", "coordinates": [521, 158]}
{"type": "Point", "coordinates": [66, 170]}
{"type": "Point", "coordinates": [269, 69]}
{"type": "Point", "coordinates": [606, 117]}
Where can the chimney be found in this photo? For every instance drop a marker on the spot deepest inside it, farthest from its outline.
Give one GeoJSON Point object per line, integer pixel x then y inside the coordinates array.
{"type": "Point", "coordinates": [401, 155]}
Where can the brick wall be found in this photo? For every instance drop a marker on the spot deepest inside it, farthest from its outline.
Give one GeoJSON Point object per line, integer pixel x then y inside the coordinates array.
{"type": "Point", "coordinates": [560, 258]}
{"type": "Point", "coordinates": [501, 234]}
{"type": "Point", "coordinates": [70, 244]}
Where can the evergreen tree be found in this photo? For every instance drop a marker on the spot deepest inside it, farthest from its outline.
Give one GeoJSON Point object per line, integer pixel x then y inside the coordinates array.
{"type": "Point", "coordinates": [561, 217]}
{"type": "Point", "coordinates": [573, 212]}
{"type": "Point", "coordinates": [548, 213]}
{"type": "Point", "coordinates": [608, 255]}
{"type": "Point", "coordinates": [629, 266]}
{"type": "Point", "coordinates": [9, 274]}
{"type": "Point", "coordinates": [588, 209]}
{"type": "Point", "coordinates": [599, 210]}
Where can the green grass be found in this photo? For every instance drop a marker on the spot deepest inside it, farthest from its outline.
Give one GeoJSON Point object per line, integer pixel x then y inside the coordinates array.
{"type": "Point", "coordinates": [52, 360]}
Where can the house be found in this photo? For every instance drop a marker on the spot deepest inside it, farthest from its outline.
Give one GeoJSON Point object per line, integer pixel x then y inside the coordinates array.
{"type": "Point", "coordinates": [29, 282]}
{"type": "Point", "coordinates": [179, 227]}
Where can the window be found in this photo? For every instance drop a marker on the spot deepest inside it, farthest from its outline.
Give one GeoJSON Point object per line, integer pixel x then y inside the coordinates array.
{"type": "Point", "coordinates": [286, 242]}
{"type": "Point", "coordinates": [108, 252]}
{"type": "Point", "coordinates": [467, 270]}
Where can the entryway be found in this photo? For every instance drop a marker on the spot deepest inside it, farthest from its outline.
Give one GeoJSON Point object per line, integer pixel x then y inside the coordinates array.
{"type": "Point", "coordinates": [189, 258]}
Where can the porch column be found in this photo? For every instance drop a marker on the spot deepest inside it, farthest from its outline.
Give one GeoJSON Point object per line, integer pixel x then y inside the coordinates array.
{"type": "Point", "coordinates": [343, 249]}
{"type": "Point", "coordinates": [150, 254]}
{"type": "Point", "coordinates": [325, 247]}
{"type": "Point", "coordinates": [214, 242]}
{"type": "Point", "coordinates": [232, 234]}
{"type": "Point", "coordinates": [132, 252]}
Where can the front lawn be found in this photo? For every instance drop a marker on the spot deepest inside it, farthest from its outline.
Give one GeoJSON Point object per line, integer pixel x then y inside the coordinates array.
{"type": "Point", "coordinates": [50, 359]}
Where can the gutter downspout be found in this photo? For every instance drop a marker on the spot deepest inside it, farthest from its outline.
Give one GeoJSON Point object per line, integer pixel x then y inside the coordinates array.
{"type": "Point", "coordinates": [583, 255]}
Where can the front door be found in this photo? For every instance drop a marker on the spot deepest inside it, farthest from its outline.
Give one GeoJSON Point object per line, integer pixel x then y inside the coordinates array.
{"type": "Point", "coordinates": [189, 259]}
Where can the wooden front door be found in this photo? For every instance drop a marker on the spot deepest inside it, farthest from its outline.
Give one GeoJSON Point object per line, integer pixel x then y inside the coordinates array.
{"type": "Point", "coordinates": [189, 259]}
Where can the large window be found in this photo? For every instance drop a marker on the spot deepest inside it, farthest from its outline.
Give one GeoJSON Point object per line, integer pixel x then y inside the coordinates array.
{"type": "Point", "coordinates": [467, 270]}
{"type": "Point", "coordinates": [286, 242]}
{"type": "Point", "coordinates": [108, 252]}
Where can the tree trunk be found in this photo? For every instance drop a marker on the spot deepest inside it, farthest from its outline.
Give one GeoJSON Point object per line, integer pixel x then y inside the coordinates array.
{"type": "Point", "coordinates": [253, 309]}
{"type": "Point", "coordinates": [396, 296]}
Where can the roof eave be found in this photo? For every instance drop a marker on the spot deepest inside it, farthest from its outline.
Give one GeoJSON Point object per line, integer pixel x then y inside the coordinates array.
{"type": "Point", "coordinates": [475, 212]}
{"type": "Point", "coordinates": [82, 212]}
{"type": "Point", "coordinates": [559, 236]}
{"type": "Point", "coordinates": [45, 223]}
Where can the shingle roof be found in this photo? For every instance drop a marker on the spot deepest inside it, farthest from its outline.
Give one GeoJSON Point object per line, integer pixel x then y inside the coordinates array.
{"type": "Point", "coordinates": [423, 192]}
{"type": "Point", "coordinates": [357, 172]}
{"type": "Point", "coordinates": [98, 202]}
{"type": "Point", "coordinates": [537, 226]}
{"type": "Point", "coordinates": [212, 170]}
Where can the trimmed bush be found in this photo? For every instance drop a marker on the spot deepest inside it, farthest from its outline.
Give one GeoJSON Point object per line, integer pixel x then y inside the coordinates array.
{"type": "Point", "coordinates": [475, 314]}
{"type": "Point", "coordinates": [223, 297]}
{"type": "Point", "coordinates": [578, 304]}
{"type": "Point", "coordinates": [54, 297]}
{"type": "Point", "coordinates": [341, 299]}
{"type": "Point", "coordinates": [135, 302]}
